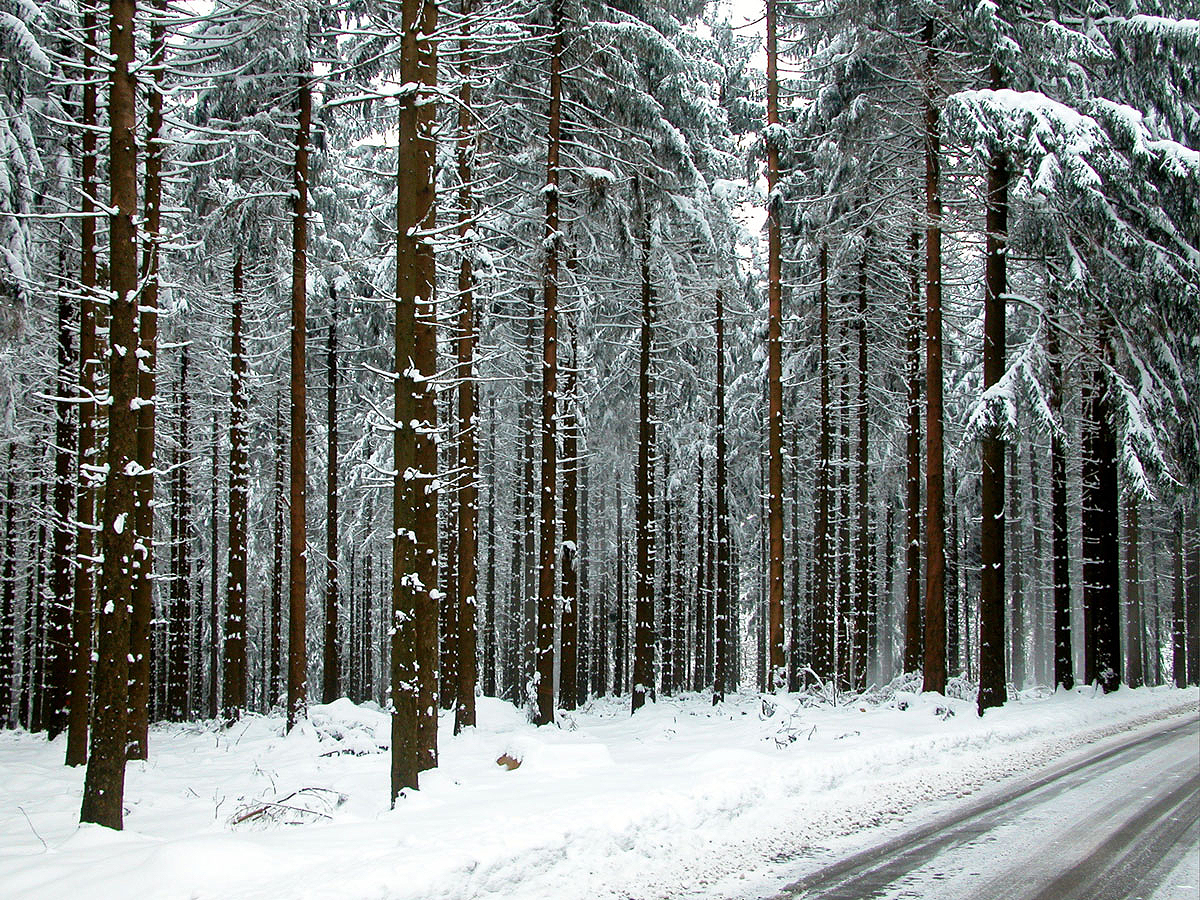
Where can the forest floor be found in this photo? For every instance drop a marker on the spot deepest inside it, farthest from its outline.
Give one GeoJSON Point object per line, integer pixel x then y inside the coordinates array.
{"type": "Point", "coordinates": [683, 799]}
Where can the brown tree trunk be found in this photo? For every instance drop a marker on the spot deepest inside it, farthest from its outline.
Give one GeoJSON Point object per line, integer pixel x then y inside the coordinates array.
{"type": "Point", "coordinates": [468, 436]}
{"type": "Point", "coordinates": [1179, 622]}
{"type": "Point", "coordinates": [823, 618]}
{"type": "Point", "coordinates": [1060, 548]}
{"type": "Point", "coordinates": [992, 687]}
{"type": "Point", "coordinates": [778, 669]}
{"type": "Point", "coordinates": [425, 357]}
{"type": "Point", "coordinates": [412, 604]}
{"type": "Point", "coordinates": [234, 681]}
{"type": "Point", "coordinates": [1101, 560]}
{"type": "Point", "coordinates": [914, 638]}
{"type": "Point", "coordinates": [643, 622]}
{"type": "Point", "coordinates": [568, 684]}
{"type": "Point", "coordinates": [1134, 676]}
{"type": "Point", "coordinates": [8, 608]}
{"type": "Point", "coordinates": [58, 638]}
{"type": "Point", "coordinates": [862, 581]}
{"type": "Point", "coordinates": [722, 682]}
{"type": "Point", "coordinates": [331, 681]}
{"type": "Point", "coordinates": [274, 673]}
{"type": "Point", "coordinates": [85, 514]}
{"type": "Point", "coordinates": [181, 583]}
{"type": "Point", "coordinates": [544, 713]}
{"type": "Point", "coordinates": [104, 783]}
{"type": "Point", "coordinates": [935, 515]}
{"type": "Point", "coordinates": [297, 688]}
{"type": "Point", "coordinates": [143, 586]}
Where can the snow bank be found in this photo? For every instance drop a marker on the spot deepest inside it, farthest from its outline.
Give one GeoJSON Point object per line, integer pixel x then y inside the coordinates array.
{"type": "Point", "coordinates": [683, 799]}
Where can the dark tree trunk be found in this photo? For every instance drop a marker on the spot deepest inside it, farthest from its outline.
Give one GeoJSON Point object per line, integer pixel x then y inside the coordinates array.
{"type": "Point", "coordinates": [8, 608]}
{"type": "Point", "coordinates": [914, 639]}
{"type": "Point", "coordinates": [823, 619]}
{"type": "Point", "coordinates": [85, 514]}
{"type": "Point", "coordinates": [413, 609]}
{"type": "Point", "coordinates": [143, 585]}
{"type": "Point", "coordinates": [179, 657]}
{"type": "Point", "coordinates": [58, 638]}
{"type": "Point", "coordinates": [1179, 622]}
{"type": "Point", "coordinates": [280, 511]}
{"type": "Point", "coordinates": [1193, 599]}
{"type": "Point", "coordinates": [297, 687]}
{"type": "Point", "coordinates": [214, 642]}
{"type": "Point", "coordinates": [331, 681]}
{"type": "Point", "coordinates": [992, 688]}
{"type": "Point", "coordinates": [544, 713]}
{"type": "Point", "coordinates": [643, 624]}
{"type": "Point", "coordinates": [104, 783]}
{"type": "Point", "coordinates": [1017, 610]}
{"type": "Point", "coordinates": [1101, 560]}
{"type": "Point", "coordinates": [862, 567]}
{"type": "Point", "coordinates": [1060, 548]}
{"type": "Point", "coordinates": [468, 453]}
{"type": "Point", "coordinates": [234, 681]}
{"type": "Point", "coordinates": [935, 515]}
{"type": "Point", "coordinates": [1134, 674]}
{"type": "Point", "coordinates": [722, 683]}
{"type": "Point", "coordinates": [568, 686]}
{"type": "Point", "coordinates": [778, 671]}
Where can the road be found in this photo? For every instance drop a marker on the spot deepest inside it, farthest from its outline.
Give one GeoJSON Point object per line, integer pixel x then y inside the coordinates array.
{"type": "Point", "coordinates": [1121, 824]}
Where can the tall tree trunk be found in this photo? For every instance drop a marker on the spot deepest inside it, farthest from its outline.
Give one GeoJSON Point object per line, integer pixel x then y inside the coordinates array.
{"type": "Point", "coordinates": [85, 514]}
{"type": "Point", "coordinates": [410, 595]}
{"type": "Point", "coordinates": [104, 783]}
{"type": "Point", "coordinates": [722, 683]}
{"type": "Point", "coordinates": [568, 685]}
{"type": "Point", "coordinates": [862, 581]}
{"type": "Point", "coordinates": [181, 584]}
{"type": "Point", "coordinates": [1193, 599]}
{"type": "Point", "coordinates": [297, 688]}
{"type": "Point", "coordinates": [544, 713]}
{"type": "Point", "coordinates": [1060, 548]}
{"type": "Point", "coordinates": [620, 660]}
{"type": "Point", "coordinates": [1134, 676]}
{"type": "Point", "coordinates": [276, 648]}
{"type": "Point", "coordinates": [468, 436]}
{"type": "Point", "coordinates": [59, 636]}
{"type": "Point", "coordinates": [914, 638]}
{"type": "Point", "coordinates": [8, 604]}
{"type": "Point", "coordinates": [1018, 613]}
{"type": "Point", "coordinates": [935, 515]}
{"type": "Point", "coordinates": [823, 616]}
{"type": "Point", "coordinates": [643, 624]}
{"type": "Point", "coordinates": [425, 336]}
{"type": "Point", "coordinates": [992, 688]}
{"type": "Point", "coordinates": [331, 681]}
{"type": "Point", "coordinates": [954, 621]}
{"type": "Point", "coordinates": [778, 670]}
{"type": "Point", "coordinates": [214, 643]}
{"type": "Point", "coordinates": [1179, 622]}
{"type": "Point", "coordinates": [143, 585]}
{"type": "Point", "coordinates": [234, 682]}
{"type": "Point", "coordinates": [1101, 560]}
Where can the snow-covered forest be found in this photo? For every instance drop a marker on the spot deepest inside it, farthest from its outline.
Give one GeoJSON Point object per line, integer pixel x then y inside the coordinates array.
{"type": "Point", "coordinates": [372, 363]}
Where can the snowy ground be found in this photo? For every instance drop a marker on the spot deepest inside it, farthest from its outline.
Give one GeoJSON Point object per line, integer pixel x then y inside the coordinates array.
{"type": "Point", "coordinates": [681, 800]}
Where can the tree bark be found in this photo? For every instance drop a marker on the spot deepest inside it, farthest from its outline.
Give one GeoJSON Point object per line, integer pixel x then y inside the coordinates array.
{"type": "Point", "coordinates": [778, 669]}
{"type": "Point", "coordinates": [1060, 549]}
{"type": "Point", "coordinates": [1134, 675]}
{"type": "Point", "coordinates": [297, 688]}
{"type": "Point", "coordinates": [85, 513]}
{"type": "Point", "coordinates": [1101, 560]}
{"type": "Point", "coordinates": [331, 680]}
{"type": "Point", "coordinates": [1179, 622]}
{"type": "Point", "coordinates": [914, 638]}
{"type": "Point", "coordinates": [862, 567]}
{"type": "Point", "coordinates": [549, 457]}
{"type": "Point", "coordinates": [643, 624]}
{"type": "Point", "coordinates": [823, 617]}
{"type": "Point", "coordinates": [568, 682]}
{"type": "Point", "coordinates": [412, 604]}
{"type": "Point", "coordinates": [935, 514]}
{"type": "Point", "coordinates": [8, 608]}
{"type": "Point", "coordinates": [234, 681]}
{"type": "Point", "coordinates": [992, 687]}
{"type": "Point", "coordinates": [468, 453]}
{"type": "Point", "coordinates": [722, 682]}
{"type": "Point", "coordinates": [104, 782]}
